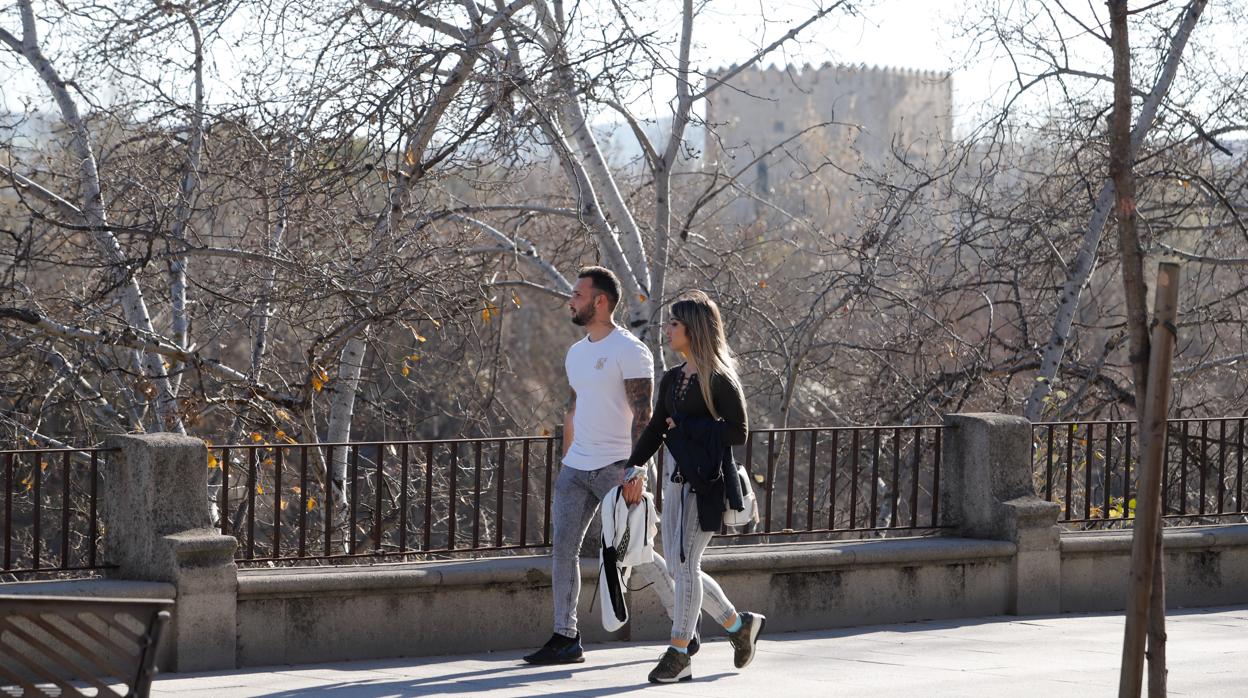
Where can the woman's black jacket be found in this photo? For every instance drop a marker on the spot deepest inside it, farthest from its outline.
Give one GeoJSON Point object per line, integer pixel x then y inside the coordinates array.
{"type": "Point", "coordinates": [700, 444]}
{"type": "Point", "coordinates": [704, 460]}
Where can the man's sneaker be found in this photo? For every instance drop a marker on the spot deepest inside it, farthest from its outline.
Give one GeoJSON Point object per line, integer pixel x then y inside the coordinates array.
{"type": "Point", "coordinates": [559, 649]}
{"type": "Point", "coordinates": [673, 666]}
{"type": "Point", "coordinates": [695, 644]}
{"type": "Point", "coordinates": [745, 639]}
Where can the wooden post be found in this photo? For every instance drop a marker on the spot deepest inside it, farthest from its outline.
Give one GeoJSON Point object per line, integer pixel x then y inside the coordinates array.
{"type": "Point", "coordinates": [1144, 548]}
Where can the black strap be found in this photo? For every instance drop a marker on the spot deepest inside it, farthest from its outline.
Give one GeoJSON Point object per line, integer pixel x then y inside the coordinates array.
{"type": "Point", "coordinates": [616, 595]}
{"type": "Point", "coordinates": [597, 584]}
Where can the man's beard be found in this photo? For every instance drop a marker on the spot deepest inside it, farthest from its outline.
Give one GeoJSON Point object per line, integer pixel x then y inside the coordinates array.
{"type": "Point", "coordinates": [582, 317]}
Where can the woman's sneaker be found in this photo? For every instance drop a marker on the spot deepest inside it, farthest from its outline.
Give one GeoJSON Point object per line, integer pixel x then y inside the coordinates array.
{"type": "Point", "coordinates": [673, 666]}
{"type": "Point", "coordinates": [745, 639]}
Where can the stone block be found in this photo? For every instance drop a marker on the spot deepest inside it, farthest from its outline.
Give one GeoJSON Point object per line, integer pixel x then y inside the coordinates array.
{"type": "Point", "coordinates": [154, 511]}
{"type": "Point", "coordinates": [986, 460]}
{"type": "Point", "coordinates": [156, 485]}
{"type": "Point", "coordinates": [987, 491]}
{"type": "Point", "coordinates": [204, 625]}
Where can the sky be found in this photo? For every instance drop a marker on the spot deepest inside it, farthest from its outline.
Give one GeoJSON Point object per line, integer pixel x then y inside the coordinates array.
{"type": "Point", "coordinates": [901, 33]}
{"type": "Point", "coordinates": [918, 34]}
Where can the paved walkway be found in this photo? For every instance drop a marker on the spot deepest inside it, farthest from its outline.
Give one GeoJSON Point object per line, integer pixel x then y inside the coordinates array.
{"type": "Point", "coordinates": [1067, 655]}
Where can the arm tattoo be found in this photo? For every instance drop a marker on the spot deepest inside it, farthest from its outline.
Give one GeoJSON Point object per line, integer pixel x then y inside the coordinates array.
{"type": "Point", "coordinates": [639, 391]}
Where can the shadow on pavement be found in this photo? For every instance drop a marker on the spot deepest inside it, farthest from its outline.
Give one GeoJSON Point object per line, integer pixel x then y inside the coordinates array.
{"type": "Point", "coordinates": [506, 678]}
{"type": "Point", "coordinates": [935, 624]}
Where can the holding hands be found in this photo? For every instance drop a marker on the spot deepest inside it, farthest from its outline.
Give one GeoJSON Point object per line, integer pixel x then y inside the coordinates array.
{"type": "Point", "coordinates": [634, 488]}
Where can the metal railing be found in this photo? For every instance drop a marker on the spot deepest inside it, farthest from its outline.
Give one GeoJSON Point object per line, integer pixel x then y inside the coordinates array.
{"type": "Point", "coordinates": [833, 481]}
{"type": "Point", "coordinates": [385, 499]}
{"type": "Point", "coordinates": [354, 502]}
{"type": "Point", "coordinates": [1089, 468]}
{"type": "Point", "coordinates": [423, 499]}
{"type": "Point", "coordinates": [51, 514]}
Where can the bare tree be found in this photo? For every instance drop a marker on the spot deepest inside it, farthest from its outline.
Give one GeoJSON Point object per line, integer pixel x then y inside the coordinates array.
{"type": "Point", "coordinates": [153, 376]}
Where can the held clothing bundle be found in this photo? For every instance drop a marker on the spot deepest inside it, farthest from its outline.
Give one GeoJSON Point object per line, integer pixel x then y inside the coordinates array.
{"type": "Point", "coordinates": [627, 541]}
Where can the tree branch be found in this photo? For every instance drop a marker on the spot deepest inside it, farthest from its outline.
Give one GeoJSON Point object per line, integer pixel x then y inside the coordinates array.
{"type": "Point", "coordinates": [131, 340]}
{"type": "Point", "coordinates": [1204, 259]}
{"type": "Point", "coordinates": [720, 80]}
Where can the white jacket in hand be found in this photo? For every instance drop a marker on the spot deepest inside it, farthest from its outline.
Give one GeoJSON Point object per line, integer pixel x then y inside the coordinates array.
{"type": "Point", "coordinates": [627, 541]}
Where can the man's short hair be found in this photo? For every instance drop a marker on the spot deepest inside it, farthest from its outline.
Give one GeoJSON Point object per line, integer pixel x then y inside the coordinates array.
{"type": "Point", "coordinates": [604, 280]}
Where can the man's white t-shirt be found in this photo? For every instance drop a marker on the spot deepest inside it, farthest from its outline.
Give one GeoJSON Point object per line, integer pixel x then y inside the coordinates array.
{"type": "Point", "coordinates": [602, 425]}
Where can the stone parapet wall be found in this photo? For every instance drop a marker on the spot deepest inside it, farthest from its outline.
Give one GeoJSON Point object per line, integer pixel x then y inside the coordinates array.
{"type": "Point", "coordinates": [393, 610]}
{"type": "Point", "coordinates": [293, 616]}
{"type": "Point", "coordinates": [1205, 566]}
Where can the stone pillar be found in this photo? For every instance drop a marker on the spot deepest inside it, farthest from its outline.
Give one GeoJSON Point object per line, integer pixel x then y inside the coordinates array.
{"type": "Point", "coordinates": [987, 491]}
{"type": "Point", "coordinates": [157, 527]}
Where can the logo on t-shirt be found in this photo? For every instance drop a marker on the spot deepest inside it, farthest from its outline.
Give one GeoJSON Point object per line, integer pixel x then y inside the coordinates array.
{"type": "Point", "coordinates": [602, 361]}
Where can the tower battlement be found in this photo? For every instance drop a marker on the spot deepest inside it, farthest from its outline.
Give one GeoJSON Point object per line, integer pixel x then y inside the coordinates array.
{"type": "Point", "coordinates": [807, 76]}
{"type": "Point", "coordinates": [878, 99]}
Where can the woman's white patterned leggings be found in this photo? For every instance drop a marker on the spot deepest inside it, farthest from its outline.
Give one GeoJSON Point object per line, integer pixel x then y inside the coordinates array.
{"type": "Point", "coordinates": [694, 589]}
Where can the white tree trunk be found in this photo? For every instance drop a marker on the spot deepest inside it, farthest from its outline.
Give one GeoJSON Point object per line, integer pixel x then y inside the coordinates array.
{"type": "Point", "coordinates": [575, 125]}
{"type": "Point", "coordinates": [651, 310]}
{"type": "Point", "coordinates": [631, 262]}
{"type": "Point", "coordinates": [181, 320]}
{"type": "Point", "coordinates": [411, 168]}
{"type": "Point", "coordinates": [342, 402]}
{"type": "Point", "coordinates": [1081, 268]}
{"type": "Point", "coordinates": [133, 306]}
{"type": "Point", "coordinates": [589, 209]}
{"type": "Point", "coordinates": [1080, 272]}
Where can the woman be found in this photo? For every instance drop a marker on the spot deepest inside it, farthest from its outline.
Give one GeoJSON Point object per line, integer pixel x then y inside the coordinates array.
{"type": "Point", "coordinates": [700, 414]}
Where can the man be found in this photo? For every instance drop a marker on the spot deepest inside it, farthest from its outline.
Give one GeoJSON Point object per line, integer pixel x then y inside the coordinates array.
{"type": "Point", "coordinates": [611, 372]}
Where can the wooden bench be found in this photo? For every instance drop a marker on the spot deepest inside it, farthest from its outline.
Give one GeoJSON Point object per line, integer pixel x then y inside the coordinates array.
{"type": "Point", "coordinates": [60, 646]}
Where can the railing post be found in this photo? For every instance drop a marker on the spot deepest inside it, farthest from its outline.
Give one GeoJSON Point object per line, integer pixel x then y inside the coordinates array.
{"type": "Point", "coordinates": [158, 528]}
{"type": "Point", "coordinates": [988, 492]}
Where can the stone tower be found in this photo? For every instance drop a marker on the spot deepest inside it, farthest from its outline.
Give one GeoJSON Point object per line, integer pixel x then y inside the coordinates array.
{"type": "Point", "coordinates": [835, 121]}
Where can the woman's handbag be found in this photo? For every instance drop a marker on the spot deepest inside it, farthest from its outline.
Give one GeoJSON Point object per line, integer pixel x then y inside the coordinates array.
{"type": "Point", "coordinates": [749, 514]}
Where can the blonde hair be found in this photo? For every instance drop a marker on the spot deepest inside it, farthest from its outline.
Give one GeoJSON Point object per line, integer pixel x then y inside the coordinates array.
{"type": "Point", "coordinates": [708, 345]}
